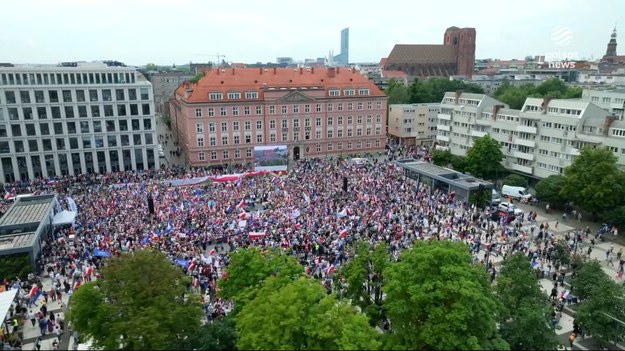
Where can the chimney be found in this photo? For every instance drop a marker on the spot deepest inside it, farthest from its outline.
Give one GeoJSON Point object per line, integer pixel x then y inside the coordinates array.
{"type": "Point", "coordinates": [312, 70]}
{"type": "Point", "coordinates": [458, 93]}
{"type": "Point", "coordinates": [337, 70]}
{"type": "Point", "coordinates": [545, 104]}
{"type": "Point", "coordinates": [607, 124]}
{"type": "Point", "coordinates": [496, 109]}
{"type": "Point", "coordinates": [261, 70]}
{"type": "Point", "coordinates": [218, 71]}
{"type": "Point", "coordinates": [301, 70]}
{"type": "Point", "coordinates": [275, 70]}
{"type": "Point", "coordinates": [233, 71]}
{"type": "Point", "coordinates": [331, 72]}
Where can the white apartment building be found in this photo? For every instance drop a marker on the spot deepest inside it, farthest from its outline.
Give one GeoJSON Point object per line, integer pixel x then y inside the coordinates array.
{"type": "Point", "coordinates": [413, 124]}
{"type": "Point", "coordinates": [74, 118]}
{"type": "Point", "coordinates": [539, 140]}
{"type": "Point", "coordinates": [611, 100]}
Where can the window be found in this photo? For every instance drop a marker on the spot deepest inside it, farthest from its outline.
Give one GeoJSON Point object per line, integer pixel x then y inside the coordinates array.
{"type": "Point", "coordinates": [259, 125]}
{"type": "Point", "coordinates": [237, 153]}
{"type": "Point", "coordinates": [284, 109]}
{"type": "Point", "coordinates": [215, 96]}
{"type": "Point", "coordinates": [259, 110]}
{"type": "Point", "coordinates": [248, 139]}
{"type": "Point", "coordinates": [330, 147]}
{"type": "Point", "coordinates": [112, 140]}
{"type": "Point", "coordinates": [339, 133]}
{"type": "Point", "coordinates": [296, 108]}
{"type": "Point", "coordinates": [334, 92]}
{"type": "Point", "coordinates": [145, 109]}
{"type": "Point", "coordinates": [330, 134]}
{"type": "Point", "coordinates": [285, 136]}
{"type": "Point", "coordinates": [318, 121]}
{"type": "Point", "coordinates": [224, 140]}
{"type": "Point", "coordinates": [201, 156]}
{"type": "Point", "coordinates": [378, 118]}
{"type": "Point", "coordinates": [368, 119]}
{"type": "Point", "coordinates": [25, 97]}
{"type": "Point", "coordinates": [285, 123]}
{"type": "Point", "coordinates": [295, 123]}
{"type": "Point", "coordinates": [145, 94]}
{"type": "Point", "coordinates": [235, 126]}
{"type": "Point", "coordinates": [340, 106]}
{"type": "Point", "coordinates": [224, 127]}
{"type": "Point", "coordinates": [259, 138]}
{"type": "Point", "coordinates": [222, 111]}
{"type": "Point", "coordinates": [363, 91]}
{"type": "Point", "coordinates": [211, 127]}
{"type": "Point", "coordinates": [318, 108]}
{"type": "Point", "coordinates": [199, 128]}
{"type": "Point", "coordinates": [248, 153]}
{"type": "Point", "coordinates": [378, 105]}
{"type": "Point", "coordinates": [368, 131]}
{"type": "Point", "coordinates": [234, 96]}
{"type": "Point", "coordinates": [330, 108]}
{"type": "Point", "coordinates": [251, 95]}
{"type": "Point", "coordinates": [359, 119]}
{"type": "Point", "coordinates": [95, 111]}
{"type": "Point", "coordinates": [212, 141]}
{"type": "Point", "coordinates": [339, 120]}
{"type": "Point", "coordinates": [350, 120]}
{"type": "Point", "coordinates": [349, 92]}
{"type": "Point", "coordinates": [369, 105]}
{"type": "Point", "coordinates": [200, 141]}
{"type": "Point", "coordinates": [272, 138]}
{"type": "Point", "coordinates": [318, 148]}
{"type": "Point", "coordinates": [246, 110]}
{"type": "Point", "coordinates": [349, 133]}
{"type": "Point", "coordinates": [237, 140]}
{"type": "Point", "coordinates": [198, 112]}
{"type": "Point", "coordinates": [330, 121]}
{"type": "Point", "coordinates": [248, 125]}
{"type": "Point", "coordinates": [306, 109]}
{"type": "Point", "coordinates": [213, 155]}
{"type": "Point", "coordinates": [272, 124]}
{"type": "Point", "coordinates": [272, 110]}
{"type": "Point", "coordinates": [235, 111]}
{"type": "Point", "coordinates": [318, 135]}
{"type": "Point", "coordinates": [211, 112]}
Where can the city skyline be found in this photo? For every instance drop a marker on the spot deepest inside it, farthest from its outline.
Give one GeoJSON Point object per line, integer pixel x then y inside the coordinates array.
{"type": "Point", "coordinates": [138, 32]}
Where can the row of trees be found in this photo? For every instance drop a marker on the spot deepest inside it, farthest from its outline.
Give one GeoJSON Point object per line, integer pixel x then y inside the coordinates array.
{"type": "Point", "coordinates": [594, 181]}
{"type": "Point", "coordinates": [515, 96]}
{"type": "Point", "coordinates": [433, 297]}
{"type": "Point", "coordinates": [426, 90]}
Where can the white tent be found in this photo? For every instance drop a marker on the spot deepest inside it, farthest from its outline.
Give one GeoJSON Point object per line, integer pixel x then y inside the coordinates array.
{"type": "Point", "coordinates": [6, 298]}
{"type": "Point", "coordinates": [64, 218]}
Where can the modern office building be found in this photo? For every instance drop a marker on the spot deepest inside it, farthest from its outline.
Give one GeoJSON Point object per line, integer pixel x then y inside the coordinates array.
{"type": "Point", "coordinates": [24, 227]}
{"type": "Point", "coordinates": [316, 112]}
{"type": "Point", "coordinates": [413, 124]}
{"type": "Point", "coordinates": [74, 118]}
{"type": "Point", "coordinates": [539, 140]}
{"type": "Point", "coordinates": [164, 84]}
{"type": "Point", "coordinates": [342, 59]}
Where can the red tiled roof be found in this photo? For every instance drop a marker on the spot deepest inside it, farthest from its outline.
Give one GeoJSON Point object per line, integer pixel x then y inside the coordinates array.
{"type": "Point", "coordinates": [420, 54]}
{"type": "Point", "coordinates": [393, 74]}
{"type": "Point", "coordinates": [255, 79]}
{"type": "Point", "coordinates": [383, 61]}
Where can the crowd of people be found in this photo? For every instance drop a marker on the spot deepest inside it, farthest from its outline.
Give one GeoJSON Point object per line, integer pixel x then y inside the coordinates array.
{"type": "Point", "coordinates": [307, 213]}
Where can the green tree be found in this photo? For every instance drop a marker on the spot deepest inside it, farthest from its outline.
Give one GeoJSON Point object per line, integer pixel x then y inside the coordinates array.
{"type": "Point", "coordinates": [515, 96]}
{"type": "Point", "coordinates": [397, 92]}
{"type": "Point", "coordinates": [484, 158]}
{"type": "Point", "coordinates": [441, 157]}
{"type": "Point", "coordinates": [562, 254]}
{"type": "Point", "coordinates": [459, 163]}
{"type": "Point", "coordinates": [549, 190]}
{"type": "Point", "coordinates": [588, 276]}
{"type": "Point", "coordinates": [437, 300]}
{"type": "Point", "coordinates": [221, 334]}
{"type": "Point", "coordinates": [615, 216]}
{"type": "Point", "coordinates": [515, 180]}
{"type": "Point", "coordinates": [603, 312]}
{"type": "Point", "coordinates": [142, 302]}
{"type": "Point", "coordinates": [248, 269]}
{"type": "Point", "coordinates": [524, 321]}
{"type": "Point", "coordinates": [300, 315]}
{"type": "Point", "coordinates": [151, 67]}
{"type": "Point", "coordinates": [593, 181]}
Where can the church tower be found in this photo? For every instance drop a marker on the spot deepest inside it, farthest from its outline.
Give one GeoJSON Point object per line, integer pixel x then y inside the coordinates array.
{"type": "Point", "coordinates": [611, 51]}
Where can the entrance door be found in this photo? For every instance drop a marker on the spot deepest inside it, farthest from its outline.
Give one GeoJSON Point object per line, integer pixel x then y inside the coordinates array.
{"type": "Point", "coordinates": [296, 153]}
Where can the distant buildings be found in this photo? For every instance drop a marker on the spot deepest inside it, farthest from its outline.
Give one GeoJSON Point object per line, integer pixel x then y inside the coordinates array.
{"type": "Point", "coordinates": [413, 124]}
{"type": "Point", "coordinates": [164, 84]}
{"type": "Point", "coordinates": [74, 118]}
{"type": "Point", "coordinates": [456, 56]}
{"type": "Point", "coordinates": [316, 112]}
{"type": "Point", "coordinates": [610, 53]}
{"type": "Point", "coordinates": [342, 59]}
{"type": "Point", "coordinates": [539, 140]}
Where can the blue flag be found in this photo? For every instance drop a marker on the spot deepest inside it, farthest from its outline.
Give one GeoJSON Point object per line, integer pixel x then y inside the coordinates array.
{"type": "Point", "coordinates": [181, 262]}
{"type": "Point", "coordinates": [101, 253]}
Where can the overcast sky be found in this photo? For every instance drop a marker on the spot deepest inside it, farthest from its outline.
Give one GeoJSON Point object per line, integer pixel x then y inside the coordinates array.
{"type": "Point", "coordinates": [178, 31]}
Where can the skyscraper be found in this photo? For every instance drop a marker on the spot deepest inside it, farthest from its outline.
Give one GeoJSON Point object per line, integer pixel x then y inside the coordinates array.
{"type": "Point", "coordinates": [342, 59]}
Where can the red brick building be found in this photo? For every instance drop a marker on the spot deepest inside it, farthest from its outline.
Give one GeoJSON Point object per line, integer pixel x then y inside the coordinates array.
{"type": "Point", "coordinates": [316, 112]}
{"type": "Point", "coordinates": [456, 56]}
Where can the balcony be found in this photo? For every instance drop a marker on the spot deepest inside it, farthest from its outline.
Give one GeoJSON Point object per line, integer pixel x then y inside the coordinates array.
{"type": "Point", "coordinates": [442, 147]}
{"type": "Point", "coordinates": [524, 169]}
{"type": "Point", "coordinates": [525, 142]}
{"type": "Point", "coordinates": [523, 155]}
{"type": "Point", "coordinates": [443, 127]}
{"type": "Point", "coordinates": [478, 133]}
{"type": "Point", "coordinates": [444, 116]}
{"type": "Point", "coordinates": [444, 138]}
{"type": "Point", "coordinates": [484, 121]}
{"type": "Point", "coordinates": [527, 129]}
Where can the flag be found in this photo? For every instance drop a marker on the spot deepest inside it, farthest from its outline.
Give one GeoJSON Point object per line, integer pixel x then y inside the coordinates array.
{"type": "Point", "coordinates": [212, 252]}
{"type": "Point", "coordinates": [243, 215]}
{"type": "Point", "coordinates": [101, 253]}
{"type": "Point", "coordinates": [192, 265]}
{"type": "Point", "coordinates": [296, 213]}
{"type": "Point", "coordinates": [169, 226]}
{"type": "Point", "coordinates": [389, 215]}
{"type": "Point", "coordinates": [71, 204]}
{"type": "Point", "coordinates": [256, 235]}
{"type": "Point", "coordinates": [182, 263]}
{"type": "Point", "coordinates": [51, 181]}
{"type": "Point", "coordinates": [343, 233]}
{"type": "Point", "coordinates": [330, 270]}
{"type": "Point", "coordinates": [8, 196]}
{"type": "Point", "coordinates": [342, 214]}
{"type": "Point", "coordinates": [145, 240]}
{"type": "Point", "coordinates": [307, 198]}
{"type": "Point", "coordinates": [241, 204]}
{"type": "Point", "coordinates": [33, 291]}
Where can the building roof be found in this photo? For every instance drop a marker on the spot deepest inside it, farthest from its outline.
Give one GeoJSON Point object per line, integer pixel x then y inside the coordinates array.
{"type": "Point", "coordinates": [8, 242]}
{"type": "Point", "coordinates": [422, 54]}
{"type": "Point", "coordinates": [393, 74]}
{"type": "Point", "coordinates": [449, 176]}
{"type": "Point", "coordinates": [31, 209]}
{"type": "Point", "coordinates": [243, 80]}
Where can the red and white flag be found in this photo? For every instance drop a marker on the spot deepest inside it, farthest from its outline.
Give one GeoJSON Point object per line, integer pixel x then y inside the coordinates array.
{"type": "Point", "coordinates": [256, 235]}
{"type": "Point", "coordinates": [241, 204]}
{"type": "Point", "coordinates": [330, 270]}
{"type": "Point", "coordinates": [243, 215]}
{"type": "Point", "coordinates": [212, 252]}
{"type": "Point", "coordinates": [343, 233]}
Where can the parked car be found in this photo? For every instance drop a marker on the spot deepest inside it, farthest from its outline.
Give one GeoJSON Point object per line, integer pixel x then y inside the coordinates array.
{"type": "Point", "coordinates": [509, 208]}
{"type": "Point", "coordinates": [516, 192]}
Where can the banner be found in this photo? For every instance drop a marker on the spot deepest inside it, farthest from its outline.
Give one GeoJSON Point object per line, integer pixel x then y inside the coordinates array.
{"type": "Point", "coordinates": [71, 205]}
{"type": "Point", "coordinates": [271, 158]}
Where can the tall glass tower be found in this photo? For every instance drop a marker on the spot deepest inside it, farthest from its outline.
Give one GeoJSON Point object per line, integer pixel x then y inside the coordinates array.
{"type": "Point", "coordinates": [342, 59]}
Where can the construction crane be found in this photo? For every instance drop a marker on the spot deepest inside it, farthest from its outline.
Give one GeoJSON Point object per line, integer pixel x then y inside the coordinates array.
{"type": "Point", "coordinates": [219, 57]}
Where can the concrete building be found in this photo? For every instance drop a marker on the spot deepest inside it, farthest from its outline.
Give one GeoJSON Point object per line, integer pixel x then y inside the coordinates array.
{"type": "Point", "coordinates": [456, 56]}
{"type": "Point", "coordinates": [342, 59]}
{"type": "Point", "coordinates": [315, 112]}
{"type": "Point", "coordinates": [539, 140]}
{"type": "Point", "coordinates": [164, 84]}
{"type": "Point", "coordinates": [490, 83]}
{"type": "Point", "coordinates": [74, 118]}
{"type": "Point", "coordinates": [25, 226]}
{"type": "Point", "coordinates": [611, 100]}
{"type": "Point", "coordinates": [413, 124]}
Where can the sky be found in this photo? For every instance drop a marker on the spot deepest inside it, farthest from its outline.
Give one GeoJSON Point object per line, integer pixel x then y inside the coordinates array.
{"type": "Point", "coordinates": [138, 32]}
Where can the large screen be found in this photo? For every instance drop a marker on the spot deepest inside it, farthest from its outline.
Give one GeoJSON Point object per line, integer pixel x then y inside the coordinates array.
{"type": "Point", "coordinates": [274, 158]}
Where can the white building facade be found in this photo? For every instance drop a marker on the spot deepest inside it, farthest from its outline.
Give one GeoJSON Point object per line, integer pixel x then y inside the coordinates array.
{"type": "Point", "coordinates": [413, 124]}
{"type": "Point", "coordinates": [75, 118]}
{"type": "Point", "coordinates": [611, 100]}
{"type": "Point", "coordinates": [539, 140]}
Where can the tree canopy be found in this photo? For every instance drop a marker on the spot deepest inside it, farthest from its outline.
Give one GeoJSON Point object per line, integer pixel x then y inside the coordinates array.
{"type": "Point", "coordinates": [484, 158]}
{"type": "Point", "coordinates": [524, 321]}
{"type": "Point", "coordinates": [427, 90]}
{"type": "Point", "coordinates": [594, 181]}
{"type": "Point", "coordinates": [549, 189]}
{"type": "Point", "coordinates": [300, 315]}
{"type": "Point", "coordinates": [437, 300]}
{"type": "Point", "coordinates": [515, 96]}
{"type": "Point", "coordinates": [141, 302]}
{"type": "Point", "coordinates": [515, 180]}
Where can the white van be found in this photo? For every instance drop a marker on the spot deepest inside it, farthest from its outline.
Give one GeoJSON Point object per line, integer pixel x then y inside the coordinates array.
{"type": "Point", "coordinates": [495, 199]}
{"type": "Point", "coordinates": [515, 192]}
